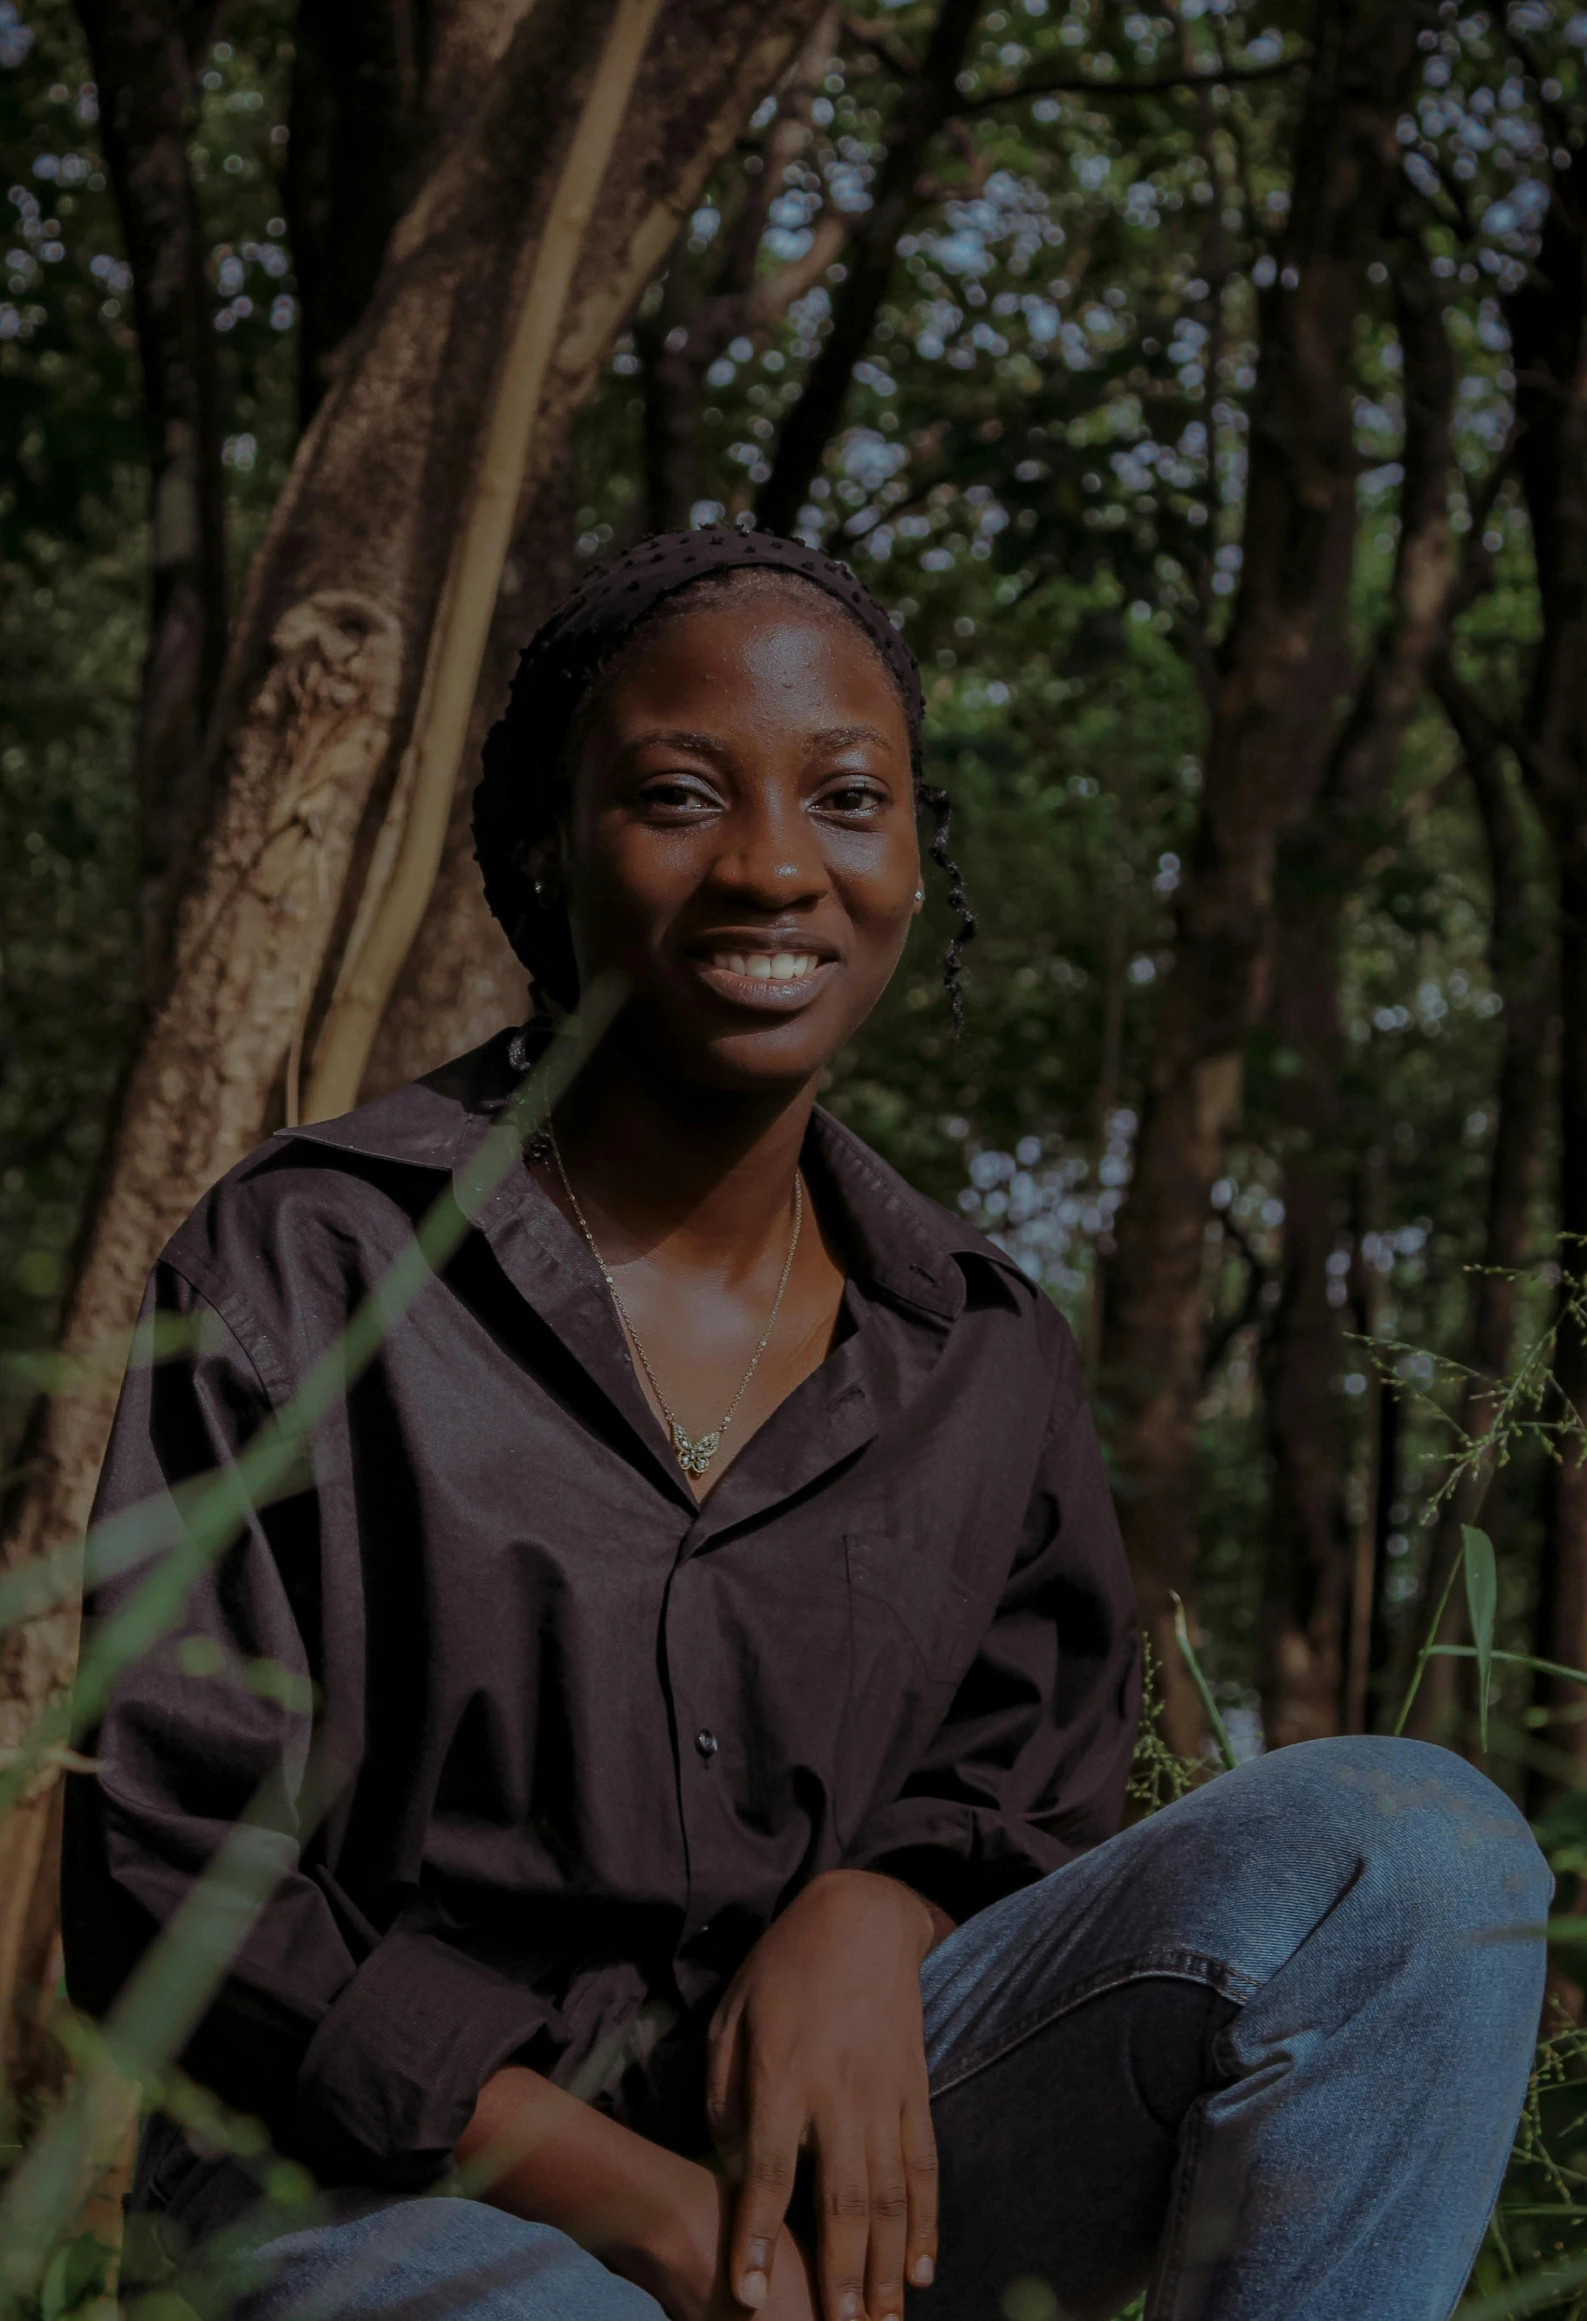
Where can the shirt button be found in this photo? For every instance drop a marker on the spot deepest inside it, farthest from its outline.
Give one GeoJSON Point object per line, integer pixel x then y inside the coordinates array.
{"type": "Point", "coordinates": [706, 1742]}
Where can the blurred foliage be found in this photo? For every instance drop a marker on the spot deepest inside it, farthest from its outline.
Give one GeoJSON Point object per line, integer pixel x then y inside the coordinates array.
{"type": "Point", "coordinates": [1041, 470]}
{"type": "Point", "coordinates": [72, 587]}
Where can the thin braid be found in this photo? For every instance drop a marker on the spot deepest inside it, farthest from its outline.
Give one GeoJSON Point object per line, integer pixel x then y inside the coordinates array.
{"type": "Point", "coordinates": [941, 806]}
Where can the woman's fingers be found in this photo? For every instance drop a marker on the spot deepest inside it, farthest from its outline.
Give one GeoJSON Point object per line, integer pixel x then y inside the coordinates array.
{"type": "Point", "coordinates": [889, 2221]}
{"type": "Point", "coordinates": [843, 2191]}
{"type": "Point", "coordinates": [919, 2143]}
{"type": "Point", "coordinates": [770, 2155]}
{"type": "Point", "coordinates": [724, 2109]}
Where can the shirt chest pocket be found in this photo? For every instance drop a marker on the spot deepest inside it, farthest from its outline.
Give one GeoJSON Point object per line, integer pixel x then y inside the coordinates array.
{"type": "Point", "coordinates": [896, 1589]}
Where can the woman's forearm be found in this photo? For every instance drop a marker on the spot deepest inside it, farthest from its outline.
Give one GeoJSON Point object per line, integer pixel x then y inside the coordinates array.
{"type": "Point", "coordinates": [539, 2152]}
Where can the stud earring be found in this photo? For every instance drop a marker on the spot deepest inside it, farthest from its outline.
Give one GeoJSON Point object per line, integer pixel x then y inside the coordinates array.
{"type": "Point", "coordinates": [540, 888]}
{"type": "Point", "coordinates": [920, 894]}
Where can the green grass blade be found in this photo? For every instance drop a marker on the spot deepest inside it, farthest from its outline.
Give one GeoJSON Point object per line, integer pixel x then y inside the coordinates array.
{"type": "Point", "coordinates": [1533, 2293]}
{"type": "Point", "coordinates": [1430, 1646]}
{"type": "Point", "coordinates": [1482, 1602]}
{"type": "Point", "coordinates": [1220, 1731]}
{"type": "Point", "coordinates": [1511, 1660]}
{"type": "Point", "coordinates": [180, 1535]}
{"type": "Point", "coordinates": [182, 1532]}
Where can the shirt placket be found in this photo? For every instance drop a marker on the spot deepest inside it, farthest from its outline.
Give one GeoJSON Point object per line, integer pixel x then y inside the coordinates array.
{"type": "Point", "coordinates": [705, 1745]}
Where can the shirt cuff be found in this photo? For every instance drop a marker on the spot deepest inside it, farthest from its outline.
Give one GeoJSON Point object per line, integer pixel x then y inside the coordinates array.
{"type": "Point", "coordinates": [392, 2074]}
{"type": "Point", "coordinates": [956, 1857]}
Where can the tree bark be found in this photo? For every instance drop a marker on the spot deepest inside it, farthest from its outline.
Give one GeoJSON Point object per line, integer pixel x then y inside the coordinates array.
{"type": "Point", "coordinates": [1276, 677]}
{"type": "Point", "coordinates": [925, 104]}
{"type": "Point", "coordinates": [461, 980]}
{"type": "Point", "coordinates": [1548, 329]}
{"type": "Point", "coordinates": [319, 691]}
{"type": "Point", "coordinates": [1311, 1552]}
{"type": "Point", "coordinates": [145, 54]}
{"type": "Point", "coordinates": [1520, 962]}
{"type": "Point", "coordinates": [357, 118]}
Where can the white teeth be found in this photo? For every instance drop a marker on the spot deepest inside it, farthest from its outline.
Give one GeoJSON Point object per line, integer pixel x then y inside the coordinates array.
{"type": "Point", "coordinates": [768, 966]}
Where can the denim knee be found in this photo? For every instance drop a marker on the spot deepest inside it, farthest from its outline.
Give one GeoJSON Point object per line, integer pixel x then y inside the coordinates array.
{"type": "Point", "coordinates": [1442, 1850]}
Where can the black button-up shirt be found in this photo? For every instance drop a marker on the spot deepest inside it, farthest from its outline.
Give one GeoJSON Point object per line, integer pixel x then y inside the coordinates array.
{"type": "Point", "coordinates": [591, 1735]}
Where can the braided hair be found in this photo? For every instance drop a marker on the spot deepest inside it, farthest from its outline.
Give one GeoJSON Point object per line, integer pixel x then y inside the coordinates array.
{"type": "Point", "coordinates": [532, 752]}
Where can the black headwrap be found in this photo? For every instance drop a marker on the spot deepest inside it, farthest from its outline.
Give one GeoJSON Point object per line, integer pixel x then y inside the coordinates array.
{"type": "Point", "coordinates": [517, 800]}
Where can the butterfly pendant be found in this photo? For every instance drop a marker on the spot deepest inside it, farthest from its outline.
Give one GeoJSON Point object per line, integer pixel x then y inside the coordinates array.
{"type": "Point", "coordinates": [695, 1457]}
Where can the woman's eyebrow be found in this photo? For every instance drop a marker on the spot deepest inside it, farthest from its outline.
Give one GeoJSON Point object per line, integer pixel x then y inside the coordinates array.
{"type": "Point", "coordinates": [841, 737]}
{"type": "Point", "coordinates": [705, 745]}
{"type": "Point", "coordinates": [700, 745]}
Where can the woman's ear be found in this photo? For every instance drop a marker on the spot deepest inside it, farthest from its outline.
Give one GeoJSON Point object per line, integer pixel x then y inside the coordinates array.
{"type": "Point", "coordinates": [542, 864]}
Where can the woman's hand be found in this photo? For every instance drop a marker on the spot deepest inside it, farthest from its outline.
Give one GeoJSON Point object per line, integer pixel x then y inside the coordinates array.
{"type": "Point", "coordinates": [818, 2043]}
{"type": "Point", "coordinates": [656, 2218]}
{"type": "Point", "coordinates": [690, 2277]}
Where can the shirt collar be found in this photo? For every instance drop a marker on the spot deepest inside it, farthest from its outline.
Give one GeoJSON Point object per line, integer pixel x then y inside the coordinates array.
{"type": "Point", "coordinates": [908, 1246]}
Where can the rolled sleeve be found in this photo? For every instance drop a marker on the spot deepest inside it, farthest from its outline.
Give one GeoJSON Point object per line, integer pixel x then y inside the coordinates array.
{"type": "Point", "coordinates": [363, 2049]}
{"type": "Point", "coordinates": [390, 2078]}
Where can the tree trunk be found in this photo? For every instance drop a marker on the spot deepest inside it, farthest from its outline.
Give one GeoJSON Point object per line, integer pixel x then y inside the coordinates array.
{"type": "Point", "coordinates": [815, 418]}
{"type": "Point", "coordinates": [357, 119]}
{"type": "Point", "coordinates": [1276, 678]}
{"type": "Point", "coordinates": [1521, 965]}
{"type": "Point", "coordinates": [461, 980]}
{"type": "Point", "coordinates": [144, 55]}
{"type": "Point", "coordinates": [1548, 329]}
{"type": "Point", "coordinates": [333, 647]}
{"type": "Point", "coordinates": [1309, 1577]}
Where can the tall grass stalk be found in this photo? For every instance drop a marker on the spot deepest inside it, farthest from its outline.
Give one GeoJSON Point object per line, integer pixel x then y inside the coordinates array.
{"type": "Point", "coordinates": [181, 1535]}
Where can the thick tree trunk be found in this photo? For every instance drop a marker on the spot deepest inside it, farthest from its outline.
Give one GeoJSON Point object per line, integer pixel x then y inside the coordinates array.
{"type": "Point", "coordinates": [1548, 328]}
{"type": "Point", "coordinates": [1520, 960]}
{"type": "Point", "coordinates": [1311, 1559]}
{"type": "Point", "coordinates": [1277, 676]}
{"type": "Point", "coordinates": [333, 643]}
{"type": "Point", "coordinates": [925, 104]}
{"type": "Point", "coordinates": [145, 54]}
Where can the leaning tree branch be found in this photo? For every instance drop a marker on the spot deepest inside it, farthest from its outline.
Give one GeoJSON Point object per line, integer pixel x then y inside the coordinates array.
{"type": "Point", "coordinates": [923, 108]}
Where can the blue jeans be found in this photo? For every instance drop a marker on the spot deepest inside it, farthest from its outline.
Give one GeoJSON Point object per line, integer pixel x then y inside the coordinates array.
{"type": "Point", "coordinates": [1262, 2055]}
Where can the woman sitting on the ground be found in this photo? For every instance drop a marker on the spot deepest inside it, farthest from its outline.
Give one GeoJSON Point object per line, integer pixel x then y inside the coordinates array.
{"type": "Point", "coordinates": [723, 1661]}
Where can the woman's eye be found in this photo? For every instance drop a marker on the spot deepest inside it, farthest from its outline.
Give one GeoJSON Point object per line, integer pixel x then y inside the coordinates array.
{"type": "Point", "coordinates": [676, 793]}
{"type": "Point", "coordinates": [853, 798]}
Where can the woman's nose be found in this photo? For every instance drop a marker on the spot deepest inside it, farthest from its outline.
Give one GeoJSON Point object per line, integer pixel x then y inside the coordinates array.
{"type": "Point", "coordinates": [773, 860]}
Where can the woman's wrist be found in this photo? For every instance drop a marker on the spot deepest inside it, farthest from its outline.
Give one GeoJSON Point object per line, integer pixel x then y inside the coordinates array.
{"type": "Point", "coordinates": [932, 1924]}
{"type": "Point", "coordinates": [670, 2242]}
{"type": "Point", "coordinates": [647, 2213]}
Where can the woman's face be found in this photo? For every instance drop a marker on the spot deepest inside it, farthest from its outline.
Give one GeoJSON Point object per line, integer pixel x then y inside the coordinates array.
{"type": "Point", "coordinates": [741, 838]}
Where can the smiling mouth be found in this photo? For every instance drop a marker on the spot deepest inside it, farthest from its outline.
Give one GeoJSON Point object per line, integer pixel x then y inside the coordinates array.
{"type": "Point", "coordinates": [777, 982]}
{"type": "Point", "coordinates": [766, 966]}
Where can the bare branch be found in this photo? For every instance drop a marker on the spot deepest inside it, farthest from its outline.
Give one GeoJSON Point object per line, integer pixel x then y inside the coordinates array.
{"type": "Point", "coordinates": [773, 294]}
{"type": "Point", "coordinates": [882, 41]}
{"type": "Point", "coordinates": [1249, 1311]}
{"type": "Point", "coordinates": [1158, 84]}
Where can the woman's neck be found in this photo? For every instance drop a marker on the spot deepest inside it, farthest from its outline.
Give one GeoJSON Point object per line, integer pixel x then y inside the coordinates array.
{"type": "Point", "coordinates": [700, 1177]}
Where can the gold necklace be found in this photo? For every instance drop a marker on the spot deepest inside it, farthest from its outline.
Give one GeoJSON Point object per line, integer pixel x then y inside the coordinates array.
{"type": "Point", "coordinates": [693, 1456]}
